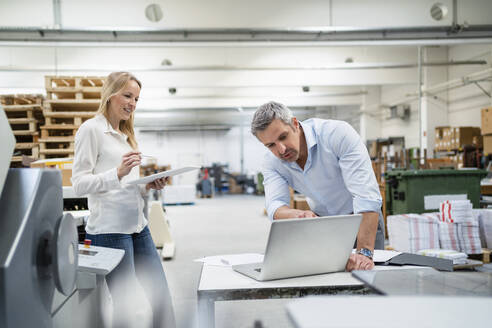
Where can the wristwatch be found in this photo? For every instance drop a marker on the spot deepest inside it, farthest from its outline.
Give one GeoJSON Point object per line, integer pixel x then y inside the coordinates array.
{"type": "Point", "coordinates": [366, 252]}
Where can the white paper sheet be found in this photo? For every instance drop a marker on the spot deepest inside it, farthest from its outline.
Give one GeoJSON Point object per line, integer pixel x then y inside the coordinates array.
{"type": "Point", "coordinates": [383, 255]}
{"type": "Point", "coordinates": [431, 202]}
{"type": "Point", "coordinates": [231, 259]}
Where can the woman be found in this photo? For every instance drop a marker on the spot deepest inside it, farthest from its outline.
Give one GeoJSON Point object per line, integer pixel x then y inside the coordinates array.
{"type": "Point", "coordinates": [106, 157]}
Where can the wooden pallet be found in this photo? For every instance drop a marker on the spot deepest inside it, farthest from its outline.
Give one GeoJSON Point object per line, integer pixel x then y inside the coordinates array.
{"type": "Point", "coordinates": [61, 146]}
{"type": "Point", "coordinates": [74, 118]}
{"type": "Point", "coordinates": [21, 99]}
{"type": "Point", "coordinates": [74, 93]}
{"type": "Point", "coordinates": [54, 151]}
{"type": "Point", "coordinates": [27, 107]}
{"type": "Point", "coordinates": [24, 133]}
{"type": "Point", "coordinates": [58, 130]}
{"type": "Point", "coordinates": [71, 105]}
{"type": "Point", "coordinates": [57, 139]}
{"type": "Point", "coordinates": [23, 111]}
{"type": "Point", "coordinates": [27, 149]}
{"type": "Point", "coordinates": [54, 154]}
{"type": "Point", "coordinates": [59, 82]}
{"type": "Point", "coordinates": [470, 264]}
{"type": "Point", "coordinates": [27, 138]}
{"type": "Point", "coordinates": [23, 124]}
{"type": "Point", "coordinates": [24, 153]}
{"type": "Point", "coordinates": [16, 161]}
{"type": "Point", "coordinates": [484, 257]}
{"type": "Point", "coordinates": [73, 87]}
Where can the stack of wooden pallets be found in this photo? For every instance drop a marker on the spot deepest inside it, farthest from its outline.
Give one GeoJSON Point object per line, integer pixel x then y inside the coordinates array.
{"type": "Point", "coordinates": [24, 115]}
{"type": "Point", "coordinates": [71, 100]}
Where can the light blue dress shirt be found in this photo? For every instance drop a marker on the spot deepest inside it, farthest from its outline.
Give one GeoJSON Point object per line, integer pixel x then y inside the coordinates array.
{"type": "Point", "coordinates": [337, 178]}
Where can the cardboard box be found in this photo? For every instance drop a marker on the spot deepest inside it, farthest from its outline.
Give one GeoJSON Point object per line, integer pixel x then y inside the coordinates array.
{"type": "Point", "coordinates": [446, 138]}
{"type": "Point", "coordinates": [436, 163]}
{"type": "Point", "coordinates": [438, 133]}
{"type": "Point", "coordinates": [373, 149]}
{"type": "Point", "coordinates": [234, 188]}
{"type": "Point", "coordinates": [438, 145]}
{"type": "Point", "coordinates": [487, 144]}
{"type": "Point", "coordinates": [487, 120]}
{"type": "Point", "coordinates": [478, 141]}
{"type": "Point", "coordinates": [66, 176]}
{"type": "Point", "coordinates": [464, 135]}
{"type": "Point", "coordinates": [300, 203]}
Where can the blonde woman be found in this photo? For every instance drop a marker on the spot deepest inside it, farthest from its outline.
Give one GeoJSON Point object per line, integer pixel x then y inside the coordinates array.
{"type": "Point", "coordinates": [106, 156]}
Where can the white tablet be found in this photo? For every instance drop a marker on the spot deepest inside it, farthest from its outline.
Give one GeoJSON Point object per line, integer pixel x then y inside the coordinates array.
{"type": "Point", "coordinates": [162, 174]}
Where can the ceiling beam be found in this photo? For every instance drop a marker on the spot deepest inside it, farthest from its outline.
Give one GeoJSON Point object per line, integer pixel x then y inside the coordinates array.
{"type": "Point", "coordinates": [317, 34]}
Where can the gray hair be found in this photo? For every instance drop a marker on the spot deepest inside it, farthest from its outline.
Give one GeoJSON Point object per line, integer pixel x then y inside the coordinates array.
{"type": "Point", "coordinates": [266, 113]}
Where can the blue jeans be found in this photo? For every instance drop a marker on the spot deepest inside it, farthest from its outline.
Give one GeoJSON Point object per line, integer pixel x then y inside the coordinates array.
{"type": "Point", "coordinates": [142, 261]}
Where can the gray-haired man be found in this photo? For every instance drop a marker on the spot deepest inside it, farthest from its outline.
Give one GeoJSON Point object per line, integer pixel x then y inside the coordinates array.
{"type": "Point", "coordinates": [327, 161]}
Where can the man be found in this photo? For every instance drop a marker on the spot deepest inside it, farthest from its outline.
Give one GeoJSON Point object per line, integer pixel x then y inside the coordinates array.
{"type": "Point", "coordinates": [326, 161]}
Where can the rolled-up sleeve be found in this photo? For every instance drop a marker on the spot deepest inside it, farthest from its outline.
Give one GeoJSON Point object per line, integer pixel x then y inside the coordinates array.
{"type": "Point", "coordinates": [276, 189]}
{"type": "Point", "coordinates": [357, 171]}
{"type": "Point", "coordinates": [84, 180]}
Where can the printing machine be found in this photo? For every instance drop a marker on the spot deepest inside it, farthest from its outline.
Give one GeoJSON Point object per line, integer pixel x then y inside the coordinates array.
{"type": "Point", "coordinates": [45, 280]}
{"type": "Point", "coordinates": [78, 207]}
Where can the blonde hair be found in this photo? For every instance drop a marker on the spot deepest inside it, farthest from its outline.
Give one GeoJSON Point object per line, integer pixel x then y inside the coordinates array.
{"type": "Point", "coordinates": [114, 83]}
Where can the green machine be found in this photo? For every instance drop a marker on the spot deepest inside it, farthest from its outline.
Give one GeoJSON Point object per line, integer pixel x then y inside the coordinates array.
{"type": "Point", "coordinates": [419, 191]}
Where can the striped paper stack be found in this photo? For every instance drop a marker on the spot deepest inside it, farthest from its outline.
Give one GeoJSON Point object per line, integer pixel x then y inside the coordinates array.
{"type": "Point", "coordinates": [459, 229]}
{"type": "Point", "coordinates": [456, 210]}
{"type": "Point", "coordinates": [484, 217]}
{"type": "Point", "coordinates": [413, 232]}
{"type": "Point", "coordinates": [448, 236]}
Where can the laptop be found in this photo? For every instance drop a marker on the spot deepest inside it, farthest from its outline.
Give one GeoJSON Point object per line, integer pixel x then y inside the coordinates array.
{"type": "Point", "coordinates": [302, 247]}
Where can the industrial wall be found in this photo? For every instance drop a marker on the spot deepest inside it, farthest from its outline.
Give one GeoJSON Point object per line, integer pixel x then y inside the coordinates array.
{"type": "Point", "coordinates": [460, 103]}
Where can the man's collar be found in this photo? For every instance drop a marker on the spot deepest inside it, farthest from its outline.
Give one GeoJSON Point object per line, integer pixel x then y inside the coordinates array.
{"type": "Point", "coordinates": [308, 135]}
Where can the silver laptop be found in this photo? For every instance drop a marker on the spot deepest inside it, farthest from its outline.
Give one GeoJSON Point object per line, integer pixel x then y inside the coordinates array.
{"type": "Point", "coordinates": [302, 247]}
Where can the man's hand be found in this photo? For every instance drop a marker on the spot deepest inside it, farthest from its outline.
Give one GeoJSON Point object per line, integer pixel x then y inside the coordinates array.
{"type": "Point", "coordinates": [304, 214]}
{"type": "Point", "coordinates": [359, 262]}
{"type": "Point", "coordinates": [285, 212]}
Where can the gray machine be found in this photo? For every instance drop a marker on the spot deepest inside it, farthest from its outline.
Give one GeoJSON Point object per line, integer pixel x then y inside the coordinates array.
{"type": "Point", "coordinates": [38, 243]}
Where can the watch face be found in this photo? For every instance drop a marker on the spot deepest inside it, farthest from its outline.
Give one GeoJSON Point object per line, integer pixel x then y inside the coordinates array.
{"type": "Point", "coordinates": [365, 252]}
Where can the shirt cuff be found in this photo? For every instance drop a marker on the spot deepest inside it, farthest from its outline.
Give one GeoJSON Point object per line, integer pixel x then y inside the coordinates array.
{"type": "Point", "coordinates": [111, 179]}
{"type": "Point", "coordinates": [367, 205]}
{"type": "Point", "coordinates": [273, 207]}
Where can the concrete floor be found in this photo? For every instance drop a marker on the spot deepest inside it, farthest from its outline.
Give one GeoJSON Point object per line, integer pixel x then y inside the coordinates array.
{"type": "Point", "coordinates": [225, 224]}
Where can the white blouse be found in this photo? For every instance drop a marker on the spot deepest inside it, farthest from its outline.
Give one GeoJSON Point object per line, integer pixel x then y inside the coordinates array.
{"type": "Point", "coordinates": [115, 207]}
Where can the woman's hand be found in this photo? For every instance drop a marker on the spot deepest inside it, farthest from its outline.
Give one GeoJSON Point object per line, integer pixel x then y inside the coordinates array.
{"type": "Point", "coordinates": [129, 161]}
{"type": "Point", "coordinates": [157, 184]}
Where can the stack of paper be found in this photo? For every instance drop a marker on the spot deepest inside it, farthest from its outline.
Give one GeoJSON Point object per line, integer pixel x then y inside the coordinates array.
{"type": "Point", "coordinates": [457, 257]}
{"type": "Point", "coordinates": [412, 232]}
{"type": "Point", "coordinates": [458, 220]}
{"type": "Point", "coordinates": [448, 236]}
{"type": "Point", "coordinates": [469, 234]}
{"type": "Point", "coordinates": [484, 217]}
{"type": "Point", "coordinates": [455, 210]}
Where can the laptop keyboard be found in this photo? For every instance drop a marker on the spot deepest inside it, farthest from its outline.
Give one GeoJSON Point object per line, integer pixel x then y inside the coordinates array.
{"type": "Point", "coordinates": [258, 269]}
